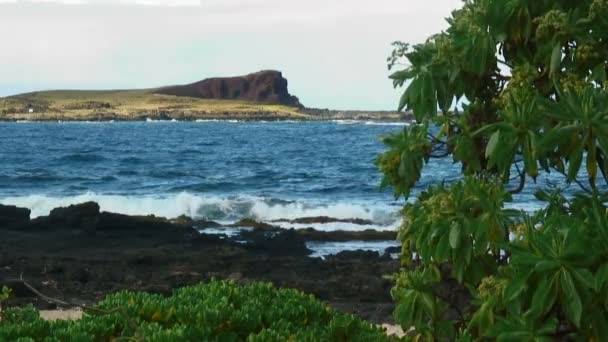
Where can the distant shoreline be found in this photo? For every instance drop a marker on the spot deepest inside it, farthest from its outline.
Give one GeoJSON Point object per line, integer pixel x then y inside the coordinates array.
{"type": "Point", "coordinates": [261, 96]}
{"type": "Point", "coordinates": [327, 116]}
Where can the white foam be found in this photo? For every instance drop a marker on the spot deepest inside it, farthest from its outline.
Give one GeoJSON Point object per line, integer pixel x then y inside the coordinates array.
{"type": "Point", "coordinates": [379, 123]}
{"type": "Point", "coordinates": [323, 249]}
{"type": "Point", "coordinates": [154, 120]}
{"type": "Point", "coordinates": [371, 123]}
{"type": "Point", "coordinates": [333, 226]}
{"type": "Point", "coordinates": [296, 210]}
{"type": "Point", "coordinates": [346, 122]}
{"type": "Point", "coordinates": [221, 209]}
{"type": "Point", "coordinates": [181, 204]}
{"type": "Point", "coordinates": [216, 120]}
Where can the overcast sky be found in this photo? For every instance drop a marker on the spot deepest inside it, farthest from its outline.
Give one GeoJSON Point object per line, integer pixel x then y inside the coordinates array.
{"type": "Point", "coordinates": [333, 52]}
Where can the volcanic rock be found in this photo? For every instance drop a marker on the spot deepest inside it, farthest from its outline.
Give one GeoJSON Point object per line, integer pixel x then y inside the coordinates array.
{"type": "Point", "coordinates": [267, 86]}
{"type": "Point", "coordinates": [326, 219]}
{"type": "Point", "coordinates": [11, 215]}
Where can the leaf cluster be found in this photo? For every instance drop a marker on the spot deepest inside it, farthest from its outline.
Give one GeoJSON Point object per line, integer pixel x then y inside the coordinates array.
{"type": "Point", "coordinates": [512, 89]}
{"type": "Point", "coordinates": [216, 311]}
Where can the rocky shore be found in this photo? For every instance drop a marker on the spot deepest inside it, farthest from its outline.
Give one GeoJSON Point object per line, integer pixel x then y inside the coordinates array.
{"type": "Point", "coordinates": [190, 115]}
{"type": "Point", "coordinates": [79, 254]}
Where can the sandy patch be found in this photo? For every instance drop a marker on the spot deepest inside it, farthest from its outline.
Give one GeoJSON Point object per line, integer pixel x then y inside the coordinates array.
{"type": "Point", "coordinates": [53, 315]}
{"type": "Point", "coordinates": [393, 330]}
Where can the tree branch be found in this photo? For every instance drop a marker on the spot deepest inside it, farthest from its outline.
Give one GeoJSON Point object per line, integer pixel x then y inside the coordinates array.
{"type": "Point", "coordinates": [504, 63]}
{"type": "Point", "coordinates": [85, 308]}
{"type": "Point", "coordinates": [455, 307]}
{"type": "Point", "coordinates": [579, 183]}
{"type": "Point", "coordinates": [435, 140]}
{"type": "Point", "coordinates": [522, 181]}
{"type": "Point", "coordinates": [442, 155]}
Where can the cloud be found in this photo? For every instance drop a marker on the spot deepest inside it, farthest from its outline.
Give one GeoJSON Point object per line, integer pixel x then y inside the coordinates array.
{"type": "Point", "coordinates": [170, 3]}
{"type": "Point", "coordinates": [332, 51]}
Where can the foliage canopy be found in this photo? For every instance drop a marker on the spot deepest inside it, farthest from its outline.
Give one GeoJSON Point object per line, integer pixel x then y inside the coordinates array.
{"type": "Point", "coordinates": [530, 79]}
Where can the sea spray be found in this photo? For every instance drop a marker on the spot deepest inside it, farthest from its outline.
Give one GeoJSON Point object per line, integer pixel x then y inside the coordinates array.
{"type": "Point", "coordinates": [222, 209]}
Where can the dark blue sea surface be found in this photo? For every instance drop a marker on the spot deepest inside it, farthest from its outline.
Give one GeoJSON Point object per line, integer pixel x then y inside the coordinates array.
{"type": "Point", "coordinates": [220, 171]}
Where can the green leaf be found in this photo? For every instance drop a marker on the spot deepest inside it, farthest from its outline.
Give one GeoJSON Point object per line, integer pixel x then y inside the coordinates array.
{"type": "Point", "coordinates": [598, 73]}
{"type": "Point", "coordinates": [572, 301]}
{"type": "Point", "coordinates": [574, 164]}
{"type": "Point", "coordinates": [455, 238]}
{"type": "Point", "coordinates": [442, 251]}
{"type": "Point", "coordinates": [601, 277]}
{"type": "Point", "coordinates": [403, 101]}
{"type": "Point", "coordinates": [556, 59]}
{"type": "Point", "coordinates": [599, 323]}
{"type": "Point", "coordinates": [514, 336]}
{"type": "Point", "coordinates": [544, 297]}
{"type": "Point", "coordinates": [542, 196]}
{"type": "Point", "coordinates": [584, 278]}
{"type": "Point", "coordinates": [514, 288]}
{"type": "Point", "coordinates": [544, 266]}
{"type": "Point", "coordinates": [492, 144]}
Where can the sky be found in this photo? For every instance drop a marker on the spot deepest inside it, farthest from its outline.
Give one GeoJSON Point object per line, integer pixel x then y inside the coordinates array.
{"type": "Point", "coordinates": [332, 52]}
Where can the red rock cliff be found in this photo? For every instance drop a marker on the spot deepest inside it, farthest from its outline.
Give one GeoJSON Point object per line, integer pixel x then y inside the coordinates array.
{"type": "Point", "coordinates": [263, 87]}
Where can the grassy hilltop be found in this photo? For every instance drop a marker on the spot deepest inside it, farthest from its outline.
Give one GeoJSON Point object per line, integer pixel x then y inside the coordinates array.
{"type": "Point", "coordinates": [258, 96]}
{"type": "Point", "coordinates": [132, 105]}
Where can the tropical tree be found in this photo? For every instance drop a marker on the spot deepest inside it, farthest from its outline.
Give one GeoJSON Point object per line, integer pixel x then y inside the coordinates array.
{"type": "Point", "coordinates": [510, 89]}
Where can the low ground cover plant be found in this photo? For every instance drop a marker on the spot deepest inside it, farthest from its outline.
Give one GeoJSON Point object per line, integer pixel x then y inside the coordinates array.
{"type": "Point", "coordinates": [216, 311]}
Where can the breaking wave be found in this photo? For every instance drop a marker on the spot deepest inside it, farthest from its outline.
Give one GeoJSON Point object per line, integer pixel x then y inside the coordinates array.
{"type": "Point", "coordinates": [221, 209]}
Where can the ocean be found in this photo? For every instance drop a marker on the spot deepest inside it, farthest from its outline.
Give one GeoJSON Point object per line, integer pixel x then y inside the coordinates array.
{"type": "Point", "coordinates": [216, 170]}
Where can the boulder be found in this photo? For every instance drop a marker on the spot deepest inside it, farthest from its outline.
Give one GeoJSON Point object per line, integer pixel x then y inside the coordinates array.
{"type": "Point", "coordinates": [278, 242]}
{"type": "Point", "coordinates": [356, 255]}
{"type": "Point", "coordinates": [110, 222]}
{"type": "Point", "coordinates": [326, 219]}
{"type": "Point", "coordinates": [311, 234]}
{"type": "Point", "coordinates": [251, 223]}
{"type": "Point", "coordinates": [11, 216]}
{"type": "Point", "coordinates": [87, 209]}
{"type": "Point", "coordinates": [83, 216]}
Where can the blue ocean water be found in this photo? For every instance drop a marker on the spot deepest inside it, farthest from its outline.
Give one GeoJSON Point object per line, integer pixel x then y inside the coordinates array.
{"type": "Point", "coordinates": [221, 171]}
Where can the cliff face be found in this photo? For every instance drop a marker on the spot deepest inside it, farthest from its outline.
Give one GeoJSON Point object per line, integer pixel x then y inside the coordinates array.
{"type": "Point", "coordinates": [262, 87]}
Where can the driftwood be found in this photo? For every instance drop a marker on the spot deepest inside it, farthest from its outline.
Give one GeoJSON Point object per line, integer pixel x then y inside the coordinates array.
{"type": "Point", "coordinates": [85, 308]}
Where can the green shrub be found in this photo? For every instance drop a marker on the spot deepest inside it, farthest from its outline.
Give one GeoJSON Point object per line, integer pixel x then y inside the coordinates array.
{"type": "Point", "coordinates": [217, 311]}
{"type": "Point", "coordinates": [529, 81]}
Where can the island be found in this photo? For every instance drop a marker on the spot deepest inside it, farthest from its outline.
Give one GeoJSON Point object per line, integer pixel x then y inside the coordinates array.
{"type": "Point", "coordinates": [261, 95]}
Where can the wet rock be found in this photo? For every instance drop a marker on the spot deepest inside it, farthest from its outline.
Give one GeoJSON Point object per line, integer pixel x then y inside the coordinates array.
{"type": "Point", "coordinates": [18, 288]}
{"type": "Point", "coordinates": [142, 225]}
{"type": "Point", "coordinates": [158, 255]}
{"type": "Point", "coordinates": [253, 224]}
{"type": "Point", "coordinates": [183, 220]}
{"type": "Point", "coordinates": [207, 239]}
{"type": "Point", "coordinates": [202, 224]}
{"type": "Point", "coordinates": [393, 250]}
{"type": "Point", "coordinates": [356, 255]}
{"type": "Point", "coordinates": [86, 209]}
{"type": "Point", "coordinates": [11, 216]}
{"type": "Point", "coordinates": [312, 234]}
{"type": "Point", "coordinates": [281, 242]}
{"type": "Point", "coordinates": [81, 275]}
{"type": "Point", "coordinates": [80, 217]}
{"type": "Point", "coordinates": [324, 220]}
